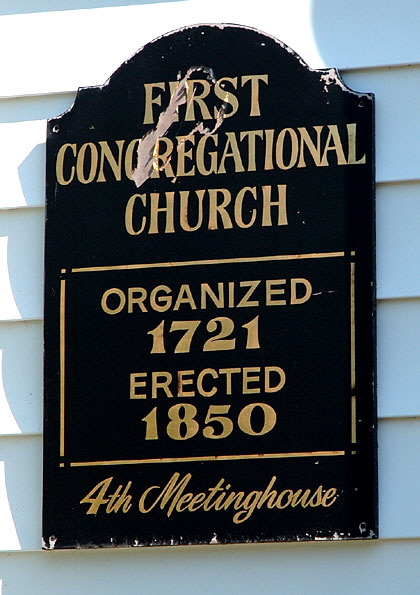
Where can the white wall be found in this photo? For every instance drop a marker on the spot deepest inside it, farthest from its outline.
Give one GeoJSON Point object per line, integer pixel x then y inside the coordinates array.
{"type": "Point", "coordinates": [46, 53]}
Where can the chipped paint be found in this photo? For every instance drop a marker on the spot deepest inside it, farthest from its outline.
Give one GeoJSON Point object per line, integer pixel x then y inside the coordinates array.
{"type": "Point", "coordinates": [147, 151]}
{"type": "Point", "coordinates": [330, 78]}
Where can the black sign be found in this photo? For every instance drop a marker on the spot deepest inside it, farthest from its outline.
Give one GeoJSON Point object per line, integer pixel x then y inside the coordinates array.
{"type": "Point", "coordinates": [209, 301]}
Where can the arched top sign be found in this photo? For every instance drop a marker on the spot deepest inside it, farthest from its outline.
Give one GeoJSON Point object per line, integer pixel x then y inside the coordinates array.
{"type": "Point", "coordinates": [209, 298]}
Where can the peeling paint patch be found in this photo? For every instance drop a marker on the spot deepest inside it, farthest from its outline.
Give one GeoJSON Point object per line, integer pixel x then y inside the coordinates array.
{"type": "Point", "coordinates": [147, 160]}
{"type": "Point", "coordinates": [330, 78]}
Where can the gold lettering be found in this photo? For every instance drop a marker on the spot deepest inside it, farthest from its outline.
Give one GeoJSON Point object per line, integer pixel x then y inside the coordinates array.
{"type": "Point", "coordinates": [184, 502]}
{"type": "Point", "coordinates": [329, 497]}
{"type": "Point", "coordinates": [168, 212]}
{"type": "Point", "coordinates": [128, 158]}
{"type": "Point", "coordinates": [352, 160]}
{"type": "Point", "coordinates": [272, 291]}
{"type": "Point", "coordinates": [185, 297]}
{"type": "Point", "coordinates": [129, 213]}
{"type": "Point", "coordinates": [268, 204]}
{"type": "Point", "coordinates": [162, 160]}
{"type": "Point", "coordinates": [247, 379]}
{"type": "Point", "coordinates": [306, 140]}
{"type": "Point", "coordinates": [182, 381]}
{"type": "Point", "coordinates": [161, 303]}
{"type": "Point", "coordinates": [136, 300]}
{"type": "Point", "coordinates": [238, 210]}
{"type": "Point", "coordinates": [218, 300]}
{"type": "Point", "coordinates": [268, 370]}
{"type": "Point", "coordinates": [196, 502]}
{"type": "Point", "coordinates": [244, 302]}
{"type": "Point", "coordinates": [200, 377]}
{"type": "Point", "coordinates": [255, 91]}
{"type": "Point", "coordinates": [112, 161]}
{"type": "Point", "coordinates": [225, 96]}
{"type": "Point", "coordinates": [116, 501]}
{"type": "Point", "coordinates": [80, 163]}
{"type": "Point", "coordinates": [216, 209]}
{"type": "Point", "coordinates": [231, 150]}
{"type": "Point", "coordinates": [161, 380]}
{"type": "Point", "coordinates": [251, 136]}
{"type": "Point", "coordinates": [183, 154]}
{"type": "Point", "coordinates": [59, 164]}
{"type": "Point", "coordinates": [333, 143]}
{"type": "Point", "coordinates": [293, 292]}
{"type": "Point", "coordinates": [121, 298]}
{"type": "Point", "coordinates": [316, 498]}
{"type": "Point", "coordinates": [200, 155]}
{"type": "Point", "coordinates": [285, 493]}
{"type": "Point", "coordinates": [95, 502]}
{"type": "Point", "coordinates": [136, 383]}
{"type": "Point", "coordinates": [149, 100]}
{"type": "Point", "coordinates": [184, 209]}
{"type": "Point", "coordinates": [293, 150]}
{"type": "Point", "coordinates": [193, 97]}
{"type": "Point", "coordinates": [269, 143]}
{"type": "Point", "coordinates": [228, 372]}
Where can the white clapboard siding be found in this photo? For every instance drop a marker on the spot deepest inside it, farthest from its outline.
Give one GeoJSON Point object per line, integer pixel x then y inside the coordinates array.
{"type": "Point", "coordinates": [385, 568]}
{"type": "Point", "coordinates": [22, 158]}
{"type": "Point", "coordinates": [21, 352]}
{"type": "Point", "coordinates": [398, 358]}
{"type": "Point", "coordinates": [397, 92]}
{"type": "Point", "coordinates": [20, 496]}
{"type": "Point", "coordinates": [49, 56]}
{"type": "Point", "coordinates": [398, 240]}
{"type": "Point", "coordinates": [21, 263]}
{"type": "Point", "coordinates": [23, 133]}
{"type": "Point", "coordinates": [399, 485]}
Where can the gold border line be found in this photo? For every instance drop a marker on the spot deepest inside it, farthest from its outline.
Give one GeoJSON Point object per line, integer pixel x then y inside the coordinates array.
{"type": "Point", "coordinates": [353, 350]}
{"type": "Point", "coordinates": [152, 265]}
{"type": "Point", "coordinates": [353, 325]}
{"type": "Point", "coordinates": [62, 361]}
{"type": "Point", "coordinates": [282, 455]}
{"type": "Point", "coordinates": [284, 257]}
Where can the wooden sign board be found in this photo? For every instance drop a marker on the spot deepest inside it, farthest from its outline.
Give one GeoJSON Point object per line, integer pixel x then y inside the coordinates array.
{"type": "Point", "coordinates": [209, 301]}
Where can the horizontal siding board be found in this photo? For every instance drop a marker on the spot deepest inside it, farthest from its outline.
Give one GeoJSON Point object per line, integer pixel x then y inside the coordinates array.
{"type": "Point", "coordinates": [53, 58]}
{"type": "Point", "coordinates": [21, 352]}
{"type": "Point", "coordinates": [399, 478]}
{"type": "Point", "coordinates": [399, 483]}
{"type": "Point", "coordinates": [22, 158]}
{"type": "Point", "coordinates": [397, 126]}
{"type": "Point", "coordinates": [398, 240]}
{"type": "Point", "coordinates": [21, 263]}
{"type": "Point", "coordinates": [319, 569]}
{"type": "Point", "coordinates": [398, 358]}
{"type": "Point", "coordinates": [22, 472]}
